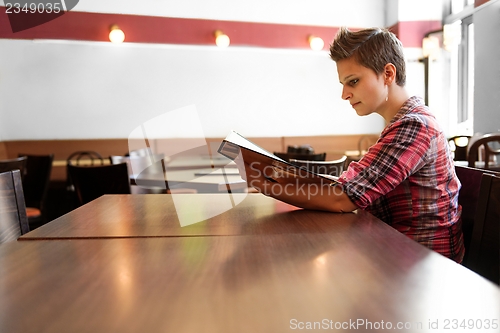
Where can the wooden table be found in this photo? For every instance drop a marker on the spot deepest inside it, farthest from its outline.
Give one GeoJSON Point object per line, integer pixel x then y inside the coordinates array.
{"type": "Point", "coordinates": [249, 283]}
{"type": "Point", "coordinates": [124, 264]}
{"type": "Point", "coordinates": [204, 180]}
{"type": "Point", "coordinates": [160, 215]}
{"type": "Point", "coordinates": [199, 162]}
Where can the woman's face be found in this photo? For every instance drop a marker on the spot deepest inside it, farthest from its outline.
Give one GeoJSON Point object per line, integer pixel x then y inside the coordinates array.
{"type": "Point", "coordinates": [362, 87]}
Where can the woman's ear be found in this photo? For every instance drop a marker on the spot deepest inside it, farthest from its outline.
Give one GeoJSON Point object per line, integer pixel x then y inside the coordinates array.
{"type": "Point", "coordinates": [389, 73]}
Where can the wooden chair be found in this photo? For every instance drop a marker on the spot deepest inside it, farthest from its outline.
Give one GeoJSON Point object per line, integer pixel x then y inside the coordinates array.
{"type": "Point", "coordinates": [90, 182]}
{"type": "Point", "coordinates": [81, 157]}
{"type": "Point", "coordinates": [308, 157]}
{"type": "Point", "coordinates": [35, 187]}
{"type": "Point", "coordinates": [333, 168]}
{"type": "Point", "coordinates": [468, 198]}
{"type": "Point", "coordinates": [14, 164]}
{"type": "Point", "coordinates": [138, 165]}
{"type": "Point", "coordinates": [483, 144]}
{"type": "Point", "coordinates": [458, 145]}
{"type": "Point", "coordinates": [302, 149]}
{"type": "Point", "coordinates": [484, 254]}
{"type": "Point", "coordinates": [85, 157]}
{"type": "Point", "coordinates": [13, 220]}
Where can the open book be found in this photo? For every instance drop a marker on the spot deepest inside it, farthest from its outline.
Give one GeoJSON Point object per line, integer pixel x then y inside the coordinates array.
{"type": "Point", "coordinates": [235, 144]}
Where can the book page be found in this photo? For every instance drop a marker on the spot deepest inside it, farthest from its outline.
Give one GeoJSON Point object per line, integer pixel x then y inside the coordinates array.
{"type": "Point", "coordinates": [235, 144]}
{"type": "Point", "coordinates": [241, 141]}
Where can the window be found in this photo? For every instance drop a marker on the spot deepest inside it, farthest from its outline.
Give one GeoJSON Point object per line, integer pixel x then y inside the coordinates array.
{"type": "Point", "coordinates": [459, 41]}
{"type": "Point", "coordinates": [459, 5]}
{"type": "Point", "coordinates": [466, 71]}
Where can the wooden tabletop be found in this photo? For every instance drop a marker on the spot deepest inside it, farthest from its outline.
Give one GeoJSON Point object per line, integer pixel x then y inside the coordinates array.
{"type": "Point", "coordinates": [124, 264]}
{"type": "Point", "coordinates": [253, 283]}
{"type": "Point", "coordinates": [199, 162]}
{"type": "Point", "coordinates": [204, 180]}
{"type": "Point", "coordinates": [163, 215]}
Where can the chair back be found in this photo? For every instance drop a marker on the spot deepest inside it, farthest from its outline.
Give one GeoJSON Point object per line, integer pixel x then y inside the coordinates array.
{"type": "Point", "coordinates": [458, 146]}
{"type": "Point", "coordinates": [483, 144]}
{"type": "Point", "coordinates": [302, 149]}
{"type": "Point", "coordinates": [307, 157]}
{"type": "Point", "coordinates": [90, 182]}
{"type": "Point", "coordinates": [85, 157]}
{"type": "Point", "coordinates": [333, 167]}
{"type": "Point", "coordinates": [484, 254]}
{"type": "Point", "coordinates": [140, 166]}
{"type": "Point", "coordinates": [81, 157]}
{"type": "Point", "coordinates": [36, 180]}
{"type": "Point", "coordinates": [14, 164]}
{"type": "Point", "coordinates": [468, 198]}
{"type": "Point", "coordinates": [13, 220]}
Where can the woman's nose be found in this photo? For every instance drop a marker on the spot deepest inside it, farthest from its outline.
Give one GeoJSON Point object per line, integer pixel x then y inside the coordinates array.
{"type": "Point", "coordinates": [346, 94]}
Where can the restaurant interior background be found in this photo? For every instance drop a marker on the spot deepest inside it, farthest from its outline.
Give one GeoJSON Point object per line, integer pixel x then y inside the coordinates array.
{"type": "Point", "coordinates": [81, 86]}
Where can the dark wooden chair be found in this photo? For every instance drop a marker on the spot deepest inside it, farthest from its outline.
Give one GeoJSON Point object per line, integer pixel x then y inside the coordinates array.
{"type": "Point", "coordinates": [458, 145]}
{"type": "Point", "coordinates": [85, 157]}
{"type": "Point", "coordinates": [13, 220]}
{"type": "Point", "coordinates": [333, 167]}
{"type": "Point", "coordinates": [468, 198]}
{"type": "Point", "coordinates": [482, 149]}
{"type": "Point", "coordinates": [35, 186]}
{"type": "Point", "coordinates": [14, 164]}
{"type": "Point", "coordinates": [90, 182]}
{"type": "Point", "coordinates": [139, 166]}
{"type": "Point", "coordinates": [81, 157]}
{"type": "Point", "coordinates": [484, 254]}
{"type": "Point", "coordinates": [302, 149]}
{"type": "Point", "coordinates": [308, 157]}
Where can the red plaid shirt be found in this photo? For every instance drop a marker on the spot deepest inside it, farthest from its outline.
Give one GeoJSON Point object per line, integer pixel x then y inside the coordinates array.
{"type": "Point", "coordinates": [408, 180]}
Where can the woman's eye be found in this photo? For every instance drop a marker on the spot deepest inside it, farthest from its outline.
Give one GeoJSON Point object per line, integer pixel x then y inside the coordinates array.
{"type": "Point", "coordinates": [353, 82]}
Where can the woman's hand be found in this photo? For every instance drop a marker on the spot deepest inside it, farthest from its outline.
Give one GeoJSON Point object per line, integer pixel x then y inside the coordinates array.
{"type": "Point", "coordinates": [294, 186]}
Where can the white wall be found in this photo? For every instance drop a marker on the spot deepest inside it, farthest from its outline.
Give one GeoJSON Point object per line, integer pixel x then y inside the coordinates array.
{"type": "Point", "coordinates": [354, 13]}
{"type": "Point", "coordinates": [59, 90]}
{"type": "Point", "coordinates": [66, 90]}
{"type": "Point", "coordinates": [421, 10]}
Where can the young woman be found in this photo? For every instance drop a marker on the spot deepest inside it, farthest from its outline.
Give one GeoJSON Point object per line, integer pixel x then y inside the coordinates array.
{"type": "Point", "coordinates": [407, 178]}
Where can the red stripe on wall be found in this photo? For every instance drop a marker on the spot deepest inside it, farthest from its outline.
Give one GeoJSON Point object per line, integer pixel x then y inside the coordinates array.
{"type": "Point", "coordinates": [411, 33]}
{"type": "Point", "coordinates": [478, 3]}
{"type": "Point", "coordinates": [165, 30]}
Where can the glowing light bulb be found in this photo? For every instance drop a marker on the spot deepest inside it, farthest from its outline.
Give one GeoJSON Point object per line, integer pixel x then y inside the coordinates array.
{"type": "Point", "coordinates": [316, 43]}
{"type": "Point", "coordinates": [221, 39]}
{"type": "Point", "coordinates": [116, 35]}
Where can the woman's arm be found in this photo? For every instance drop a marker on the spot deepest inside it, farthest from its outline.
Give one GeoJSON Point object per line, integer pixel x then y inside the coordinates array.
{"type": "Point", "coordinates": [288, 187]}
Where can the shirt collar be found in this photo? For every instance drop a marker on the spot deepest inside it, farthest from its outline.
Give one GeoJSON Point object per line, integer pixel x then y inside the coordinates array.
{"type": "Point", "coordinates": [410, 104]}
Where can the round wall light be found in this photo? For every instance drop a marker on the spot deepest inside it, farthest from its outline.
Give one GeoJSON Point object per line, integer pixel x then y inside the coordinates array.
{"type": "Point", "coordinates": [316, 43]}
{"type": "Point", "coordinates": [221, 39]}
{"type": "Point", "coordinates": [116, 35]}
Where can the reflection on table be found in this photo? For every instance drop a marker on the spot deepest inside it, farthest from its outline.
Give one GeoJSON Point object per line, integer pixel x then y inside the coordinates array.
{"type": "Point", "coordinates": [161, 215]}
{"type": "Point", "coordinates": [363, 273]}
